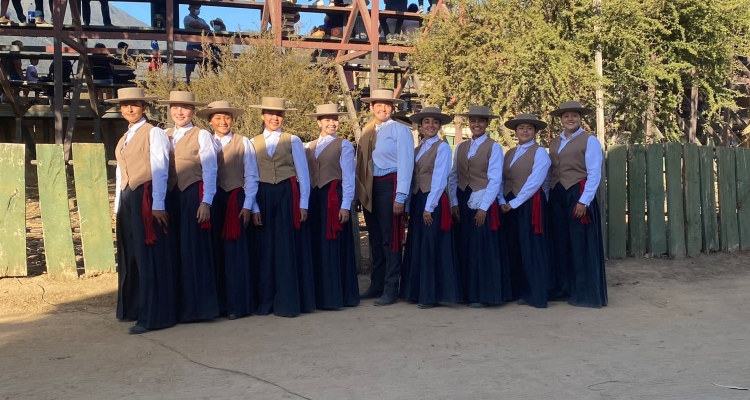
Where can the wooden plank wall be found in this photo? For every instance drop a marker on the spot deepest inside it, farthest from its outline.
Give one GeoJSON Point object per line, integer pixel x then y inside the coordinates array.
{"type": "Point", "coordinates": [13, 211]}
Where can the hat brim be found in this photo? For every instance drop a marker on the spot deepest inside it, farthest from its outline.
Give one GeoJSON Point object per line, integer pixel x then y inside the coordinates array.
{"type": "Point", "coordinates": [539, 125]}
{"type": "Point", "coordinates": [418, 117]}
{"type": "Point", "coordinates": [192, 103]}
{"type": "Point", "coordinates": [581, 110]}
{"type": "Point", "coordinates": [206, 113]}
{"type": "Point", "coordinates": [272, 108]}
{"type": "Point", "coordinates": [338, 114]}
{"type": "Point", "coordinates": [488, 116]}
{"type": "Point", "coordinates": [144, 99]}
{"type": "Point", "coordinates": [383, 99]}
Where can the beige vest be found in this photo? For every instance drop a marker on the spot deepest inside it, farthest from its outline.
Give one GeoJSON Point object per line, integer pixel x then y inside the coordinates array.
{"type": "Point", "coordinates": [472, 171]}
{"type": "Point", "coordinates": [327, 166]}
{"type": "Point", "coordinates": [569, 167]}
{"type": "Point", "coordinates": [279, 167]}
{"type": "Point", "coordinates": [515, 176]}
{"type": "Point", "coordinates": [185, 166]}
{"type": "Point", "coordinates": [422, 177]}
{"type": "Point", "coordinates": [134, 159]}
{"type": "Point", "coordinates": [231, 174]}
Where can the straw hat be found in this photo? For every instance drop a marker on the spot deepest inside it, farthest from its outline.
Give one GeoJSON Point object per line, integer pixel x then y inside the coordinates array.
{"type": "Point", "coordinates": [181, 97]}
{"type": "Point", "coordinates": [385, 95]}
{"type": "Point", "coordinates": [479, 111]}
{"type": "Point", "coordinates": [273, 103]}
{"type": "Point", "coordinates": [130, 94]}
{"type": "Point", "coordinates": [221, 106]}
{"type": "Point", "coordinates": [326, 109]}
{"type": "Point", "coordinates": [571, 106]}
{"type": "Point", "coordinates": [434, 112]}
{"type": "Point", "coordinates": [526, 119]}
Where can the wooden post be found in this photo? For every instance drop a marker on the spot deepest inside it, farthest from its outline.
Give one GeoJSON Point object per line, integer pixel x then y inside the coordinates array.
{"type": "Point", "coordinates": [374, 36]}
{"type": "Point", "coordinates": [170, 37]}
{"type": "Point", "coordinates": [57, 22]}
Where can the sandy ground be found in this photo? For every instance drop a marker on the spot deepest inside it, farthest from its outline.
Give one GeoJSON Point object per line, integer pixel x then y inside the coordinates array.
{"type": "Point", "coordinates": [673, 330]}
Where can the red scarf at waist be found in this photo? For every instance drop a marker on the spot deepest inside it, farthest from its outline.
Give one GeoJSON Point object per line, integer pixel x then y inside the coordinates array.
{"type": "Point", "coordinates": [333, 225]}
{"type": "Point", "coordinates": [205, 224]}
{"type": "Point", "coordinates": [231, 228]}
{"type": "Point", "coordinates": [586, 219]}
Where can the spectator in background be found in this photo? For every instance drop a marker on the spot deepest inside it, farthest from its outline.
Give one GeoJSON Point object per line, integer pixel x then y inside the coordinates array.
{"type": "Point", "coordinates": [218, 25]}
{"type": "Point", "coordinates": [12, 65]}
{"type": "Point", "coordinates": [410, 26]}
{"type": "Point", "coordinates": [86, 12]}
{"type": "Point", "coordinates": [101, 70]}
{"type": "Point", "coordinates": [192, 21]}
{"type": "Point", "coordinates": [20, 14]}
{"type": "Point", "coordinates": [32, 77]}
{"type": "Point", "coordinates": [121, 72]}
{"type": "Point", "coordinates": [39, 15]}
{"type": "Point", "coordinates": [393, 5]}
{"type": "Point", "coordinates": [4, 20]}
{"type": "Point", "coordinates": [432, 3]}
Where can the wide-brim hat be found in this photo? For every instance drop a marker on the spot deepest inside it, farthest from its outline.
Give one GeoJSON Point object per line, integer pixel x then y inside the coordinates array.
{"type": "Point", "coordinates": [385, 95]}
{"type": "Point", "coordinates": [571, 106]}
{"type": "Point", "coordinates": [479, 111]}
{"type": "Point", "coordinates": [433, 112]}
{"type": "Point", "coordinates": [130, 94]}
{"type": "Point", "coordinates": [181, 97]}
{"type": "Point", "coordinates": [326, 109]}
{"type": "Point", "coordinates": [219, 107]}
{"type": "Point", "coordinates": [273, 103]}
{"type": "Point", "coordinates": [526, 119]}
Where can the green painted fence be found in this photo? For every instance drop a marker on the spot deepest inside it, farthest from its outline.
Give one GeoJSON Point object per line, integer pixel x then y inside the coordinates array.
{"type": "Point", "coordinates": [662, 200]}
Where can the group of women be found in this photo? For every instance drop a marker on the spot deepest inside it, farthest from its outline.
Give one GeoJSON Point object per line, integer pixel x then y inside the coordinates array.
{"type": "Point", "coordinates": [212, 224]}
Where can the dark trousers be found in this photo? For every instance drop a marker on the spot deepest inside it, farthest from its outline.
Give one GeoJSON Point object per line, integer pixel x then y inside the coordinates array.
{"type": "Point", "coordinates": [86, 11]}
{"type": "Point", "coordinates": [386, 264]}
{"type": "Point", "coordinates": [20, 13]}
{"type": "Point", "coordinates": [40, 8]}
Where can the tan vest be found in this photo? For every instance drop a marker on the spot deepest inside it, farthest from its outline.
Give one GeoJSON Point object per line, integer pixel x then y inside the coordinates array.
{"type": "Point", "coordinates": [514, 177]}
{"type": "Point", "coordinates": [279, 167]}
{"type": "Point", "coordinates": [422, 177]}
{"type": "Point", "coordinates": [472, 171]}
{"type": "Point", "coordinates": [569, 167]}
{"type": "Point", "coordinates": [134, 159]}
{"type": "Point", "coordinates": [231, 163]}
{"type": "Point", "coordinates": [327, 166]}
{"type": "Point", "coordinates": [185, 166]}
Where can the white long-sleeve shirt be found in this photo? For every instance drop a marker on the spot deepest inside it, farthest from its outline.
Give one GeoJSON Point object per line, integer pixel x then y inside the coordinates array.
{"type": "Point", "coordinates": [593, 160]}
{"type": "Point", "coordinates": [494, 173]}
{"type": "Point", "coordinates": [300, 164]}
{"type": "Point", "coordinates": [251, 175]}
{"type": "Point", "coordinates": [346, 161]}
{"type": "Point", "coordinates": [539, 173]}
{"type": "Point", "coordinates": [159, 148]}
{"type": "Point", "coordinates": [394, 152]}
{"type": "Point", "coordinates": [440, 171]}
{"type": "Point", "coordinates": [207, 154]}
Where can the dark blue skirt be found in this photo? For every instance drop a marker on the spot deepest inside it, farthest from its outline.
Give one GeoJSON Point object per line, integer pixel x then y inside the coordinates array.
{"type": "Point", "coordinates": [483, 268]}
{"type": "Point", "coordinates": [430, 270]}
{"type": "Point", "coordinates": [147, 289]}
{"type": "Point", "coordinates": [285, 273]}
{"type": "Point", "coordinates": [527, 252]}
{"type": "Point", "coordinates": [236, 274]}
{"type": "Point", "coordinates": [198, 298]}
{"type": "Point", "coordinates": [577, 253]}
{"type": "Point", "coordinates": [336, 283]}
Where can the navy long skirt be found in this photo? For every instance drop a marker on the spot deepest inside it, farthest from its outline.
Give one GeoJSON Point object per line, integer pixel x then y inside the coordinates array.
{"type": "Point", "coordinates": [483, 269]}
{"type": "Point", "coordinates": [335, 268]}
{"type": "Point", "coordinates": [198, 298]}
{"type": "Point", "coordinates": [147, 289]}
{"type": "Point", "coordinates": [430, 270]}
{"type": "Point", "coordinates": [528, 253]}
{"type": "Point", "coordinates": [577, 253]}
{"type": "Point", "coordinates": [285, 273]}
{"type": "Point", "coordinates": [236, 275]}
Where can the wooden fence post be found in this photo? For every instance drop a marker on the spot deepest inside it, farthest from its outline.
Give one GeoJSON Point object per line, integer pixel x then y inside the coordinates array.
{"type": "Point", "coordinates": [743, 196]}
{"type": "Point", "coordinates": [675, 208]}
{"type": "Point", "coordinates": [692, 200]}
{"type": "Point", "coordinates": [657, 235]}
{"type": "Point", "coordinates": [13, 211]}
{"type": "Point", "coordinates": [637, 200]}
{"type": "Point", "coordinates": [616, 198]}
{"type": "Point", "coordinates": [728, 230]}
{"type": "Point", "coordinates": [709, 224]}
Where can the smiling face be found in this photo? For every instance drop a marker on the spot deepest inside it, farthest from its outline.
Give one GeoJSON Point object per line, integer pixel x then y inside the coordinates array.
{"type": "Point", "coordinates": [181, 114]}
{"type": "Point", "coordinates": [382, 111]}
{"type": "Point", "coordinates": [273, 119]}
{"type": "Point", "coordinates": [430, 127]}
{"type": "Point", "coordinates": [221, 123]}
{"type": "Point", "coordinates": [132, 111]}
{"type": "Point", "coordinates": [525, 133]}
{"type": "Point", "coordinates": [571, 121]}
{"type": "Point", "coordinates": [478, 125]}
{"type": "Point", "coordinates": [328, 124]}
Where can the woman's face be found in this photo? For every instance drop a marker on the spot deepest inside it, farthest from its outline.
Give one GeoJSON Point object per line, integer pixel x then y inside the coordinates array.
{"type": "Point", "coordinates": [430, 127]}
{"type": "Point", "coordinates": [273, 119]}
{"type": "Point", "coordinates": [382, 110]}
{"type": "Point", "coordinates": [571, 120]}
{"type": "Point", "coordinates": [328, 124]}
{"type": "Point", "coordinates": [478, 125]}
{"type": "Point", "coordinates": [132, 111]}
{"type": "Point", "coordinates": [181, 114]}
{"type": "Point", "coordinates": [221, 123]}
{"type": "Point", "coordinates": [525, 133]}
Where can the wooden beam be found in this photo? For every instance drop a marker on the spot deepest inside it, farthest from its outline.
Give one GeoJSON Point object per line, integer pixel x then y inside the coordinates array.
{"type": "Point", "coordinates": [10, 94]}
{"type": "Point", "coordinates": [374, 37]}
{"type": "Point", "coordinates": [80, 48]}
{"type": "Point", "coordinates": [350, 56]}
{"type": "Point", "coordinates": [170, 37]}
{"type": "Point", "coordinates": [58, 14]}
{"type": "Point", "coordinates": [75, 99]}
{"type": "Point", "coordinates": [349, 28]}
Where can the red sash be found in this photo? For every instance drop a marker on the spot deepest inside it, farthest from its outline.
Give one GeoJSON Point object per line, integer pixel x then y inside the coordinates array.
{"type": "Point", "coordinates": [445, 206]}
{"type": "Point", "coordinates": [536, 212]}
{"type": "Point", "coordinates": [296, 216]}
{"type": "Point", "coordinates": [231, 228]}
{"type": "Point", "coordinates": [147, 216]}
{"type": "Point", "coordinates": [586, 219]}
{"type": "Point", "coordinates": [205, 224]}
{"type": "Point", "coordinates": [333, 225]}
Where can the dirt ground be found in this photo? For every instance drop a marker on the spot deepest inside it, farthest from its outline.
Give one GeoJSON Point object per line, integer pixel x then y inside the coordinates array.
{"type": "Point", "coordinates": [673, 330]}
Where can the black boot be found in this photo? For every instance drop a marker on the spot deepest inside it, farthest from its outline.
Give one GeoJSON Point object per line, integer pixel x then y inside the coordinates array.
{"type": "Point", "coordinates": [386, 300]}
{"type": "Point", "coordinates": [371, 293]}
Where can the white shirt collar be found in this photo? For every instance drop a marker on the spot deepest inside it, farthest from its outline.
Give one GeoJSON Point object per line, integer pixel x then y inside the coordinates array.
{"type": "Point", "coordinates": [526, 145]}
{"type": "Point", "coordinates": [267, 133]}
{"type": "Point", "coordinates": [431, 140]}
{"type": "Point", "coordinates": [480, 140]}
{"type": "Point", "coordinates": [576, 133]}
{"type": "Point", "coordinates": [138, 124]}
{"type": "Point", "coordinates": [186, 127]}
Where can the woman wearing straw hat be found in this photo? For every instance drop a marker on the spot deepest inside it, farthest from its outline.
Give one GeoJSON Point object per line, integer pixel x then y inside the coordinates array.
{"type": "Point", "coordinates": [385, 161]}
{"type": "Point", "coordinates": [147, 291]}
{"type": "Point", "coordinates": [192, 180]}
{"type": "Point", "coordinates": [280, 212]}
{"type": "Point", "coordinates": [523, 202]}
{"type": "Point", "coordinates": [577, 252]}
{"type": "Point", "coordinates": [430, 273]}
{"type": "Point", "coordinates": [330, 160]}
{"type": "Point", "coordinates": [237, 184]}
{"type": "Point", "coordinates": [474, 182]}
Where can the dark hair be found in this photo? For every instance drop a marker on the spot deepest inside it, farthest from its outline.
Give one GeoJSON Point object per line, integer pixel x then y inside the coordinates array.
{"type": "Point", "coordinates": [16, 43]}
{"type": "Point", "coordinates": [413, 8]}
{"type": "Point", "coordinates": [102, 46]}
{"type": "Point", "coordinates": [122, 45]}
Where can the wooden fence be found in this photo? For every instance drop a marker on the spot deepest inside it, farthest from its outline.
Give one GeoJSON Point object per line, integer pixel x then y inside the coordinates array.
{"type": "Point", "coordinates": [662, 199]}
